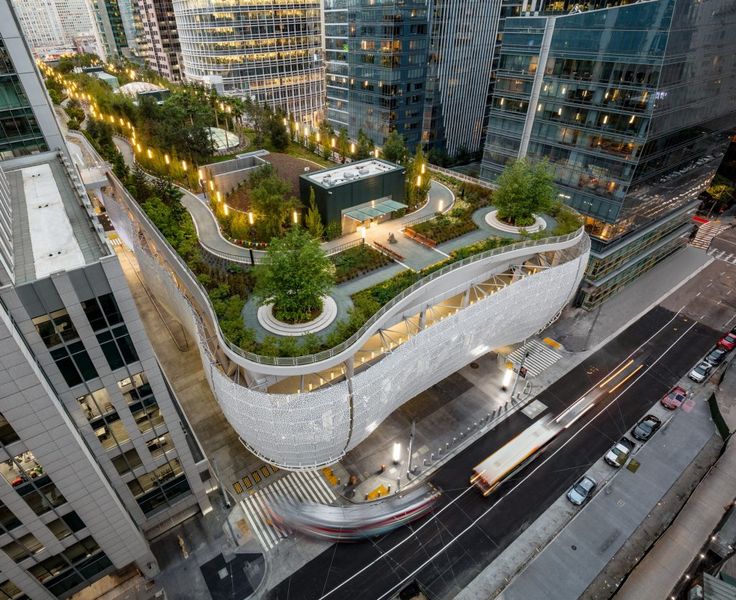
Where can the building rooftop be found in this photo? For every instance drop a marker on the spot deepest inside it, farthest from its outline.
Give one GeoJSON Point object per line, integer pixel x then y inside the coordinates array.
{"type": "Point", "coordinates": [355, 171]}
{"type": "Point", "coordinates": [53, 229]}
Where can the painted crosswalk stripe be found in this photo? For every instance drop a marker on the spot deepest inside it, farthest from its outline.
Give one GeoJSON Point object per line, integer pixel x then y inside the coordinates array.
{"type": "Point", "coordinates": [300, 486]}
{"type": "Point", "coordinates": [540, 357]}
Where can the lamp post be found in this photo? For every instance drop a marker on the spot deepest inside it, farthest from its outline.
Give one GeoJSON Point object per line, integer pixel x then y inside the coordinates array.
{"type": "Point", "coordinates": [521, 366]}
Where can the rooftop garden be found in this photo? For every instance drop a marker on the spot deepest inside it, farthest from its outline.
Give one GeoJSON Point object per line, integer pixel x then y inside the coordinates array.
{"type": "Point", "coordinates": [297, 262]}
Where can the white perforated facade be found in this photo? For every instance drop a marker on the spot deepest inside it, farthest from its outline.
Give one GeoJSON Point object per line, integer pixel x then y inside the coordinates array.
{"type": "Point", "coordinates": [314, 428]}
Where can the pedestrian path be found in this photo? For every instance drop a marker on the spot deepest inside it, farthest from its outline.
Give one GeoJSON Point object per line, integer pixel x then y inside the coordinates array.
{"type": "Point", "coordinates": [541, 357]}
{"type": "Point", "coordinates": [300, 486]}
{"type": "Point", "coordinates": [719, 254]}
{"type": "Point", "coordinates": [706, 232]}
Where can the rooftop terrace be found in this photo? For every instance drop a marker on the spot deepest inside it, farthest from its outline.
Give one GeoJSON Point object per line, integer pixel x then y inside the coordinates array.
{"type": "Point", "coordinates": [52, 228]}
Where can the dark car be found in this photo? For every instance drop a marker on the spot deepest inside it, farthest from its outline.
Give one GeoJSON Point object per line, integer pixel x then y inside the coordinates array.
{"type": "Point", "coordinates": [716, 356]}
{"type": "Point", "coordinates": [582, 491]}
{"type": "Point", "coordinates": [646, 427]}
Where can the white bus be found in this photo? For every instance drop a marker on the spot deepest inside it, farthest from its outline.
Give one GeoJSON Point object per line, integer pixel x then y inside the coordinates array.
{"type": "Point", "coordinates": [514, 455]}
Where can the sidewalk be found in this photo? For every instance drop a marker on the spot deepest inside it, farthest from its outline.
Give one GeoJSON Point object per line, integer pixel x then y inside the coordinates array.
{"type": "Point", "coordinates": [665, 564]}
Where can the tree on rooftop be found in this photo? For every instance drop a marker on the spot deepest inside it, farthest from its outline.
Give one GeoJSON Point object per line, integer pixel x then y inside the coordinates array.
{"type": "Point", "coordinates": [343, 144]}
{"type": "Point", "coordinates": [294, 277]}
{"type": "Point", "coordinates": [394, 149]}
{"type": "Point", "coordinates": [524, 189]}
{"type": "Point", "coordinates": [277, 132]}
{"type": "Point", "coordinates": [313, 220]}
{"type": "Point", "coordinates": [364, 147]}
{"type": "Point", "coordinates": [418, 180]}
{"type": "Point", "coordinates": [271, 201]}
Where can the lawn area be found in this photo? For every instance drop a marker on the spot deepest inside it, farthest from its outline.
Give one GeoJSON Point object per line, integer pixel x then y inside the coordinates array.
{"type": "Point", "coordinates": [356, 262]}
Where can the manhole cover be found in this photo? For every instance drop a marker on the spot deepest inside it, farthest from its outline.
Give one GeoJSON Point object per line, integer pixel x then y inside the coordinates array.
{"type": "Point", "coordinates": [473, 365]}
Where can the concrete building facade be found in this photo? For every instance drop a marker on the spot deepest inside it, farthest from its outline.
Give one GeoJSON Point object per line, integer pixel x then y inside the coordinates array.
{"type": "Point", "coordinates": [96, 456]}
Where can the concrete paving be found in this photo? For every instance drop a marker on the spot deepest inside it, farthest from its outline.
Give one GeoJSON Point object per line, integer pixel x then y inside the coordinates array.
{"type": "Point", "coordinates": [592, 538]}
{"type": "Point", "coordinates": [669, 559]}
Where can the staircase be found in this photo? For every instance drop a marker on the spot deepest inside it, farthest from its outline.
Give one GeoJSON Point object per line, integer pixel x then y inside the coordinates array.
{"type": "Point", "coordinates": [705, 234]}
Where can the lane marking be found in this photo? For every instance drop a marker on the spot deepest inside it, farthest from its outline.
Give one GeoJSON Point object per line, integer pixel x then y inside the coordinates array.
{"type": "Point", "coordinates": [489, 509]}
{"type": "Point", "coordinates": [469, 488]}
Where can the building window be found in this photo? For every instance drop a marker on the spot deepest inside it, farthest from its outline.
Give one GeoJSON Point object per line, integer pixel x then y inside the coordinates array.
{"type": "Point", "coordinates": [8, 520]}
{"type": "Point", "coordinates": [160, 445]}
{"type": "Point", "coordinates": [102, 312]}
{"type": "Point", "coordinates": [74, 363]}
{"type": "Point", "coordinates": [95, 405]}
{"type": "Point", "coordinates": [160, 488]}
{"type": "Point", "coordinates": [23, 547]}
{"type": "Point", "coordinates": [27, 477]}
{"type": "Point", "coordinates": [66, 525]}
{"type": "Point", "coordinates": [127, 461]}
{"type": "Point", "coordinates": [10, 591]}
{"type": "Point", "coordinates": [7, 433]}
{"type": "Point", "coordinates": [55, 328]}
{"type": "Point", "coordinates": [78, 564]}
{"type": "Point", "coordinates": [117, 347]}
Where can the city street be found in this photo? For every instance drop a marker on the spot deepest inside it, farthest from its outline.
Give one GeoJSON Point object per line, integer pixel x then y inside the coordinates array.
{"type": "Point", "coordinates": [446, 550]}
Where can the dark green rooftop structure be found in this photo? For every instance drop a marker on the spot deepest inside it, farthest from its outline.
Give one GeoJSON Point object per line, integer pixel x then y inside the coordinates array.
{"type": "Point", "coordinates": [356, 194]}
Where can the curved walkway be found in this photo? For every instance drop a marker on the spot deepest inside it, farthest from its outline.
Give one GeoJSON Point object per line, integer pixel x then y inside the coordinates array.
{"type": "Point", "coordinates": [440, 197]}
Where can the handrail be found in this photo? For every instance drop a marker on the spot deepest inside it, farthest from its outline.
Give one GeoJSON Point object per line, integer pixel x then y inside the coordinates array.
{"type": "Point", "coordinates": [344, 345]}
{"type": "Point", "coordinates": [341, 347]}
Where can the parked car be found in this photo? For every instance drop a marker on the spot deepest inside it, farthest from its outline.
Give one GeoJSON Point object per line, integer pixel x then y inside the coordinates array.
{"type": "Point", "coordinates": [674, 398]}
{"type": "Point", "coordinates": [701, 372]}
{"type": "Point", "coordinates": [617, 455]}
{"type": "Point", "coordinates": [646, 427]}
{"type": "Point", "coordinates": [582, 491]}
{"type": "Point", "coordinates": [728, 341]}
{"type": "Point", "coordinates": [716, 356]}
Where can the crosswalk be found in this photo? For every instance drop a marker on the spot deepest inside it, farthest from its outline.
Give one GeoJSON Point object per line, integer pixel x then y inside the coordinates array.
{"type": "Point", "coordinates": [541, 357]}
{"type": "Point", "coordinates": [719, 254]}
{"type": "Point", "coordinates": [302, 486]}
{"type": "Point", "coordinates": [706, 232]}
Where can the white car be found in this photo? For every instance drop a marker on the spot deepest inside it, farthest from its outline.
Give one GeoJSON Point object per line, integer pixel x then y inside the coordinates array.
{"type": "Point", "coordinates": [617, 455]}
{"type": "Point", "coordinates": [701, 372]}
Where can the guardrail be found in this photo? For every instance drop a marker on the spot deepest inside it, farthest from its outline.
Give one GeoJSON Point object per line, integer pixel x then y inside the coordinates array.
{"type": "Point", "coordinates": [343, 346]}
{"type": "Point", "coordinates": [461, 177]}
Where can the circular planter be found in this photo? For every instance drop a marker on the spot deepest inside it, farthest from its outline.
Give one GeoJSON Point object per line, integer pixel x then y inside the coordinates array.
{"type": "Point", "coordinates": [271, 324]}
{"type": "Point", "coordinates": [492, 219]}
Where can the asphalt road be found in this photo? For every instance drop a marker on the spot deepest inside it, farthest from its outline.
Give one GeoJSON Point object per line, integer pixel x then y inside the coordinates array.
{"type": "Point", "coordinates": [444, 551]}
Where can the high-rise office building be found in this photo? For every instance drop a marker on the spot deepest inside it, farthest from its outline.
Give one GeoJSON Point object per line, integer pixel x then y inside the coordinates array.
{"type": "Point", "coordinates": [461, 45]}
{"type": "Point", "coordinates": [50, 26]}
{"type": "Point", "coordinates": [269, 51]}
{"type": "Point", "coordinates": [376, 67]}
{"type": "Point", "coordinates": [41, 25]}
{"type": "Point", "coordinates": [27, 123]}
{"type": "Point", "coordinates": [159, 38]}
{"type": "Point", "coordinates": [94, 452]}
{"type": "Point", "coordinates": [422, 69]}
{"type": "Point", "coordinates": [109, 24]}
{"type": "Point", "coordinates": [632, 104]}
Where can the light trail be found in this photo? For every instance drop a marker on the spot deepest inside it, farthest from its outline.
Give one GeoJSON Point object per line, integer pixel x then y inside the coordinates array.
{"type": "Point", "coordinates": [449, 504]}
{"type": "Point", "coordinates": [539, 466]}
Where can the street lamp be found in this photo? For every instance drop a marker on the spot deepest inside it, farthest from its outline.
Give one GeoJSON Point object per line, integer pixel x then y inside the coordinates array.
{"type": "Point", "coordinates": [250, 218]}
{"type": "Point", "coordinates": [295, 217]}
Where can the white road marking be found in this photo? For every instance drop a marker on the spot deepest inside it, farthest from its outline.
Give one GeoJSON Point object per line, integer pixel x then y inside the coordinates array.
{"type": "Point", "coordinates": [490, 508]}
{"type": "Point", "coordinates": [444, 508]}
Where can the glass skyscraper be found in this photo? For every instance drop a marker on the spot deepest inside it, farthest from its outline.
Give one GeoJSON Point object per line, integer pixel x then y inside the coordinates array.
{"type": "Point", "coordinates": [632, 105]}
{"type": "Point", "coordinates": [385, 52]}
